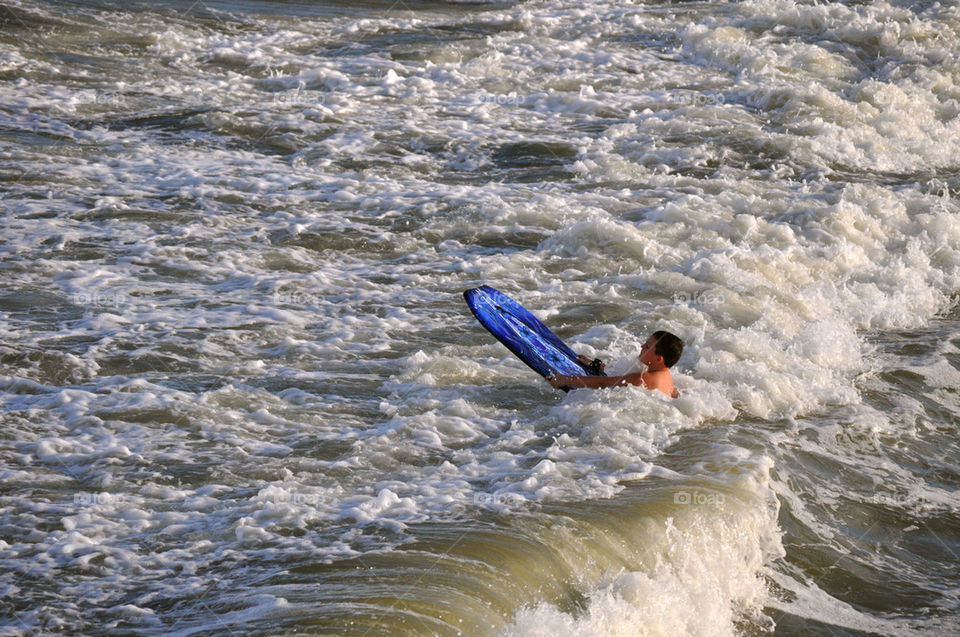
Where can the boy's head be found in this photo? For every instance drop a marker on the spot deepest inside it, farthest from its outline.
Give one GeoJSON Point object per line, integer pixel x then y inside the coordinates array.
{"type": "Point", "coordinates": [668, 346]}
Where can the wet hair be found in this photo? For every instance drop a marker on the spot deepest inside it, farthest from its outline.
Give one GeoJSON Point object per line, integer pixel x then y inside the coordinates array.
{"type": "Point", "coordinates": [669, 346]}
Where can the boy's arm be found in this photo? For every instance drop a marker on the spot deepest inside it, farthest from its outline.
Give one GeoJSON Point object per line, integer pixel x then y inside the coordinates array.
{"type": "Point", "coordinates": [595, 382]}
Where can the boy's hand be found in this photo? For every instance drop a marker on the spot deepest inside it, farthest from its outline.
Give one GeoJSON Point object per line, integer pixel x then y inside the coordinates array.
{"type": "Point", "coordinates": [593, 365]}
{"type": "Point", "coordinates": [559, 381]}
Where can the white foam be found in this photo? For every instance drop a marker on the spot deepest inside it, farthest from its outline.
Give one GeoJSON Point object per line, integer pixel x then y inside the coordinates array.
{"type": "Point", "coordinates": [703, 576]}
{"type": "Point", "coordinates": [253, 242]}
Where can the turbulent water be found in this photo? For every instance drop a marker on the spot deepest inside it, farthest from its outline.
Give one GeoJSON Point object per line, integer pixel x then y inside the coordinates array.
{"type": "Point", "coordinates": [241, 392]}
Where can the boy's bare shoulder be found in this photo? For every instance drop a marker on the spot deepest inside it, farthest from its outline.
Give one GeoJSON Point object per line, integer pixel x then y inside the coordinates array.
{"type": "Point", "coordinates": [662, 381]}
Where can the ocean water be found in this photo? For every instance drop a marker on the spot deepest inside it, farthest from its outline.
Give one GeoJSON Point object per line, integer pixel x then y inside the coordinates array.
{"type": "Point", "coordinates": [241, 392]}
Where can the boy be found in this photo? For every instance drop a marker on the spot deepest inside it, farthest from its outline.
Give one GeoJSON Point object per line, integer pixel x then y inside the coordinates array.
{"type": "Point", "coordinates": [661, 351]}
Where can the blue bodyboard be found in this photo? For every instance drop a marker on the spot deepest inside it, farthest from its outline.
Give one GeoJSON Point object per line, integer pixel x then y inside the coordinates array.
{"type": "Point", "coordinates": [523, 333]}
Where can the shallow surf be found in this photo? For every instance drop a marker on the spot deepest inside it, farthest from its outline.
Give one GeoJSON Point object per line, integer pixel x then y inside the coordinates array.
{"type": "Point", "coordinates": [241, 390]}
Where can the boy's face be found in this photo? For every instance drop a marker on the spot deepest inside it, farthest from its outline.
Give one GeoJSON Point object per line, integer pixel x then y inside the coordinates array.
{"type": "Point", "coordinates": [648, 352]}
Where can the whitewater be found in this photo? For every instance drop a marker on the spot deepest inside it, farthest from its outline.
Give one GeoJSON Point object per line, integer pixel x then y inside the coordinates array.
{"type": "Point", "coordinates": [240, 390]}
